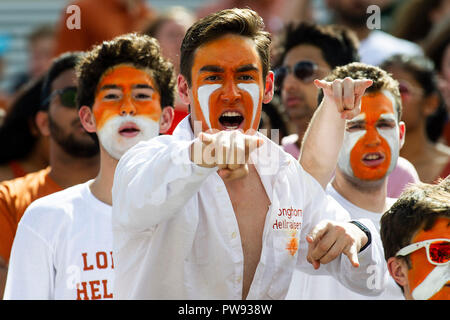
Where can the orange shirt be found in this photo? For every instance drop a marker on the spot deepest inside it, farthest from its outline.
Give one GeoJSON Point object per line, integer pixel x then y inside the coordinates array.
{"type": "Point", "coordinates": [15, 196]}
{"type": "Point", "coordinates": [100, 20]}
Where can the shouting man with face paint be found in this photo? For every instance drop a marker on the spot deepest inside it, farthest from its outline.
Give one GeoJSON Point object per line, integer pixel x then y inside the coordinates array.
{"type": "Point", "coordinates": [416, 237]}
{"type": "Point", "coordinates": [63, 247]}
{"type": "Point", "coordinates": [368, 155]}
{"type": "Point", "coordinates": [217, 210]}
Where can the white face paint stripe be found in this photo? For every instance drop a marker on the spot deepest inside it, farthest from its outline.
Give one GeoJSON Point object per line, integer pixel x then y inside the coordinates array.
{"type": "Point", "coordinates": [115, 144]}
{"type": "Point", "coordinates": [204, 92]}
{"type": "Point", "coordinates": [434, 282]}
{"type": "Point", "coordinates": [253, 90]}
{"type": "Point", "coordinates": [392, 138]}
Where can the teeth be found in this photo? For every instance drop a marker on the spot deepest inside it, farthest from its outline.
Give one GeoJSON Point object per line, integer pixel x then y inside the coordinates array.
{"type": "Point", "coordinates": [372, 157]}
{"type": "Point", "coordinates": [231, 114]}
{"type": "Point", "coordinates": [231, 128]}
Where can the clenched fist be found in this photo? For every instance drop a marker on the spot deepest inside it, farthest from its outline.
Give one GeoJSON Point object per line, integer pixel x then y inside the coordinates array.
{"type": "Point", "coordinates": [228, 150]}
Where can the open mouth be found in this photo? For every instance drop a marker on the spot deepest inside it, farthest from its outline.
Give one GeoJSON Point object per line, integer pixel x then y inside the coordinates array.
{"type": "Point", "coordinates": [231, 120]}
{"type": "Point", "coordinates": [129, 130]}
{"type": "Point", "coordinates": [373, 159]}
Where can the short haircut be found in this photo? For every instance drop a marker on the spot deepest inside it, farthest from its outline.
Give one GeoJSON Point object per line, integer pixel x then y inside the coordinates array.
{"type": "Point", "coordinates": [140, 51]}
{"type": "Point", "coordinates": [243, 22]}
{"type": "Point", "coordinates": [417, 208]}
{"type": "Point", "coordinates": [338, 44]}
{"type": "Point", "coordinates": [60, 64]}
{"type": "Point", "coordinates": [359, 71]}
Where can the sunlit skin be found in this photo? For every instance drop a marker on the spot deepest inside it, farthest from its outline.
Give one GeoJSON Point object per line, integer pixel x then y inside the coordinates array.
{"type": "Point", "coordinates": [421, 267]}
{"type": "Point", "coordinates": [231, 63]}
{"type": "Point", "coordinates": [371, 154]}
{"type": "Point", "coordinates": [127, 109]}
{"type": "Point", "coordinates": [125, 89]}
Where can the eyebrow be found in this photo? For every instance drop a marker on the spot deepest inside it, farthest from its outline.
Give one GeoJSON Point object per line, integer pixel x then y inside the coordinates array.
{"type": "Point", "coordinates": [211, 68]}
{"type": "Point", "coordinates": [247, 67]}
{"type": "Point", "coordinates": [136, 86]}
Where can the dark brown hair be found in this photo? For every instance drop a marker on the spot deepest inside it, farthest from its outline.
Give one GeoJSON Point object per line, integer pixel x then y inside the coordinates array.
{"type": "Point", "coordinates": [338, 44]}
{"type": "Point", "coordinates": [244, 22]}
{"type": "Point", "coordinates": [141, 51]}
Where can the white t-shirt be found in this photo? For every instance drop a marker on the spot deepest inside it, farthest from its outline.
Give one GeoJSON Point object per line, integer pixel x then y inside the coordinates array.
{"type": "Point", "coordinates": [379, 46]}
{"type": "Point", "coordinates": [63, 249]}
{"type": "Point", "coordinates": [176, 235]}
{"type": "Point", "coordinates": [324, 287]}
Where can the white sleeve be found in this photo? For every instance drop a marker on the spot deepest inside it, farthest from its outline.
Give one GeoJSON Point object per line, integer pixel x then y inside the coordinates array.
{"type": "Point", "coordinates": [31, 272]}
{"type": "Point", "coordinates": [322, 207]}
{"type": "Point", "coordinates": [153, 180]}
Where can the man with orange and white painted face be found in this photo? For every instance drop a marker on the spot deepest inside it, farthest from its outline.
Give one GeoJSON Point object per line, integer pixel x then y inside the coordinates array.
{"type": "Point", "coordinates": [217, 210]}
{"type": "Point", "coordinates": [416, 237]}
{"type": "Point", "coordinates": [63, 247]}
{"type": "Point", "coordinates": [369, 153]}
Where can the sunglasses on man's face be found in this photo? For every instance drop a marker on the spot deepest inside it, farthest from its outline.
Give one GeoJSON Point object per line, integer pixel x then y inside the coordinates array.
{"type": "Point", "coordinates": [67, 96]}
{"type": "Point", "coordinates": [438, 250]}
{"type": "Point", "coordinates": [304, 70]}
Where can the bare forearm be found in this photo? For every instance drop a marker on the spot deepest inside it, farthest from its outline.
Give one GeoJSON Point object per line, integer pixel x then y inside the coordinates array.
{"type": "Point", "coordinates": [322, 142]}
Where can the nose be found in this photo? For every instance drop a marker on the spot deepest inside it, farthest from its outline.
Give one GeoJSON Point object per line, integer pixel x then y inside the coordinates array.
{"type": "Point", "coordinates": [230, 92]}
{"type": "Point", "coordinates": [372, 137]}
{"type": "Point", "coordinates": [127, 108]}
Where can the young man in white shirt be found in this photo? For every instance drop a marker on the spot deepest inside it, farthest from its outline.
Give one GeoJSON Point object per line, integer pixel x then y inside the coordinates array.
{"type": "Point", "coordinates": [63, 246]}
{"type": "Point", "coordinates": [416, 238]}
{"type": "Point", "coordinates": [369, 153]}
{"type": "Point", "coordinates": [196, 218]}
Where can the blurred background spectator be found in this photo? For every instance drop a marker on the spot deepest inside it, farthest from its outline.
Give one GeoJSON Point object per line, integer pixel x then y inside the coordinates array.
{"type": "Point", "coordinates": [24, 148]}
{"type": "Point", "coordinates": [101, 20]}
{"type": "Point", "coordinates": [421, 99]}
{"type": "Point", "coordinates": [41, 44]}
{"type": "Point", "coordinates": [437, 47]}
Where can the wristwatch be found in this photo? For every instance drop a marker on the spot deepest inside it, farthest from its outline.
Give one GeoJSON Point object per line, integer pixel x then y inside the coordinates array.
{"type": "Point", "coordinates": [366, 231]}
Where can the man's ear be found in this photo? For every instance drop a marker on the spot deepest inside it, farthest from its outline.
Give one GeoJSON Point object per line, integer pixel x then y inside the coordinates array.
{"type": "Point", "coordinates": [42, 123]}
{"type": "Point", "coordinates": [269, 87]}
{"type": "Point", "coordinates": [183, 89]}
{"type": "Point", "coordinates": [398, 270]}
{"type": "Point", "coordinates": [166, 120]}
{"type": "Point", "coordinates": [431, 104]}
{"type": "Point", "coordinates": [87, 119]}
{"type": "Point", "coordinates": [402, 132]}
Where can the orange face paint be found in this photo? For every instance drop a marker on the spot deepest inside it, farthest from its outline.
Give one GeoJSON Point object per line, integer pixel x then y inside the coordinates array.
{"type": "Point", "coordinates": [129, 85]}
{"type": "Point", "coordinates": [371, 143]}
{"type": "Point", "coordinates": [421, 267]}
{"type": "Point", "coordinates": [227, 84]}
{"type": "Point", "coordinates": [127, 109]}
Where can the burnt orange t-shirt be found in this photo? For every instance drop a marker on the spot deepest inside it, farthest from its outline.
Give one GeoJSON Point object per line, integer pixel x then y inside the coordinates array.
{"type": "Point", "coordinates": [15, 196]}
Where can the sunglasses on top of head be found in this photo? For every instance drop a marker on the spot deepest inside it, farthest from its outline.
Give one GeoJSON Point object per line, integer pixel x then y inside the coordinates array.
{"type": "Point", "coordinates": [303, 70]}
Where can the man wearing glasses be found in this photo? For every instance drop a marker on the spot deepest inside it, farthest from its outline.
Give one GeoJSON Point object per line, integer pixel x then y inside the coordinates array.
{"type": "Point", "coordinates": [125, 95]}
{"type": "Point", "coordinates": [308, 52]}
{"type": "Point", "coordinates": [416, 240]}
{"type": "Point", "coordinates": [73, 155]}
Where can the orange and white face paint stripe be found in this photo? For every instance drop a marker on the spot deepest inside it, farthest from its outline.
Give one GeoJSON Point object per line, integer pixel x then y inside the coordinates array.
{"type": "Point", "coordinates": [371, 143]}
{"type": "Point", "coordinates": [227, 77]}
{"type": "Point", "coordinates": [127, 109]}
{"type": "Point", "coordinates": [428, 281]}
